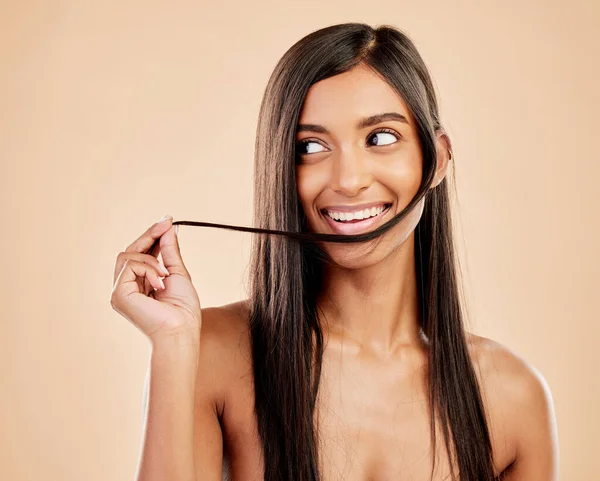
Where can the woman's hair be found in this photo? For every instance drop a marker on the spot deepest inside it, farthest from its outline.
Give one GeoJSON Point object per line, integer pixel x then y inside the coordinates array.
{"type": "Point", "coordinates": [286, 268]}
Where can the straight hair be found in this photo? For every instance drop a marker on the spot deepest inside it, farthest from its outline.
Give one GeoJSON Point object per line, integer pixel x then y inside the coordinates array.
{"type": "Point", "coordinates": [287, 263]}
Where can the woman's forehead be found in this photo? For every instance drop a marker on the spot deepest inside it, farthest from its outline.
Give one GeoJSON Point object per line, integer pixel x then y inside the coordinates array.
{"type": "Point", "coordinates": [349, 96]}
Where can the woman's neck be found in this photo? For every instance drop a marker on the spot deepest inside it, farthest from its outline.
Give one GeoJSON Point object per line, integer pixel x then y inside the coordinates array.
{"type": "Point", "coordinates": [373, 308]}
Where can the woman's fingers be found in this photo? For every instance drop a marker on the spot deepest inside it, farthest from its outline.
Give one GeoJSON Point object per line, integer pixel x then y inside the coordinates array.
{"type": "Point", "coordinates": [144, 242]}
{"type": "Point", "coordinates": [171, 254]}
{"type": "Point", "coordinates": [127, 298]}
{"type": "Point", "coordinates": [127, 285]}
{"type": "Point", "coordinates": [139, 293]}
{"type": "Point", "coordinates": [145, 258]}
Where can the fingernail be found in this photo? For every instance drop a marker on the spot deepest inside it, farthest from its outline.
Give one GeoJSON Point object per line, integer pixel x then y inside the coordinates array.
{"type": "Point", "coordinates": [177, 230]}
{"type": "Point", "coordinates": [164, 218]}
{"type": "Point", "coordinates": [163, 268]}
{"type": "Point", "coordinates": [162, 284]}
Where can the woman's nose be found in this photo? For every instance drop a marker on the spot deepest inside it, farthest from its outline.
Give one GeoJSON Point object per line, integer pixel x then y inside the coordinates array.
{"type": "Point", "coordinates": [350, 173]}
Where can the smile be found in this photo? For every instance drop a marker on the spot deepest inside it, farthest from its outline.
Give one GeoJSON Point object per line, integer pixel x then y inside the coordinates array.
{"type": "Point", "coordinates": [351, 223]}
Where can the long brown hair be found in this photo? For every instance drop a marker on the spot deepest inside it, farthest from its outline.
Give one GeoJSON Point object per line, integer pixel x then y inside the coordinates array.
{"type": "Point", "coordinates": [286, 265]}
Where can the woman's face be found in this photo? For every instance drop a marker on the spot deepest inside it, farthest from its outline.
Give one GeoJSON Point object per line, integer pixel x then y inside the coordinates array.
{"type": "Point", "coordinates": [349, 160]}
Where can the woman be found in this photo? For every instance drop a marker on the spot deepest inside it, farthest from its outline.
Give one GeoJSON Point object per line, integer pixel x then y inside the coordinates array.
{"type": "Point", "coordinates": [349, 358]}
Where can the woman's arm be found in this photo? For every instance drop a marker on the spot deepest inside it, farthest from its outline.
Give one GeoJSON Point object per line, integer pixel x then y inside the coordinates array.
{"type": "Point", "coordinates": [536, 436]}
{"type": "Point", "coordinates": [522, 411]}
{"type": "Point", "coordinates": [182, 438]}
{"type": "Point", "coordinates": [167, 444]}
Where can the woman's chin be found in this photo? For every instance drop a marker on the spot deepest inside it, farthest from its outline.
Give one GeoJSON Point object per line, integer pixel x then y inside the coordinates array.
{"type": "Point", "coordinates": [357, 256]}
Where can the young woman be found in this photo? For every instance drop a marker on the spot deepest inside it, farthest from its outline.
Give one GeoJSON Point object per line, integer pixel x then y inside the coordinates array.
{"type": "Point", "coordinates": [349, 360]}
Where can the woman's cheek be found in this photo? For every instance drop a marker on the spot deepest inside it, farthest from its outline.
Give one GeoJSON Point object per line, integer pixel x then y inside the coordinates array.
{"type": "Point", "coordinates": [306, 189]}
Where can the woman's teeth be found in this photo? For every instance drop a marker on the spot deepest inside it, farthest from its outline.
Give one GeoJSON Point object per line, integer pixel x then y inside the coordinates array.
{"type": "Point", "coordinates": [359, 215]}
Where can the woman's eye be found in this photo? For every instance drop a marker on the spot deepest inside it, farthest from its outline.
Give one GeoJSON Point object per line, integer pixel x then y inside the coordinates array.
{"type": "Point", "coordinates": [303, 147]}
{"type": "Point", "coordinates": [391, 138]}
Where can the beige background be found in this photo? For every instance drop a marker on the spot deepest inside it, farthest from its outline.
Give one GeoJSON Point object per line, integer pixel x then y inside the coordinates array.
{"type": "Point", "coordinates": [113, 113]}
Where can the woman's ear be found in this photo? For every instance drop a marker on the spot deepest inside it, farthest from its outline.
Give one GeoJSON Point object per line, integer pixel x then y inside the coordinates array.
{"type": "Point", "coordinates": [443, 155]}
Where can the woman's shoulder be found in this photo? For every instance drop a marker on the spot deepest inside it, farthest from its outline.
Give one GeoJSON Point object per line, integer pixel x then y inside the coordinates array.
{"type": "Point", "coordinates": [225, 332]}
{"type": "Point", "coordinates": [220, 323]}
{"type": "Point", "coordinates": [224, 355]}
{"type": "Point", "coordinates": [505, 369]}
{"type": "Point", "coordinates": [515, 392]}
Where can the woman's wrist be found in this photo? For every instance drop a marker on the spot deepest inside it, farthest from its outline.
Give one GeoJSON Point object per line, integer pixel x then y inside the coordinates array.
{"type": "Point", "coordinates": [179, 340]}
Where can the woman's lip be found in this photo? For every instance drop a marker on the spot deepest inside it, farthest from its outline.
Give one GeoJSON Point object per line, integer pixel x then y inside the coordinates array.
{"type": "Point", "coordinates": [356, 227]}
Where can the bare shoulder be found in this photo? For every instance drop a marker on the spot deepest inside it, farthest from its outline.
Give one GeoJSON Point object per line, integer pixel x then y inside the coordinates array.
{"type": "Point", "coordinates": [507, 372]}
{"type": "Point", "coordinates": [224, 353]}
{"type": "Point", "coordinates": [520, 406]}
{"type": "Point", "coordinates": [222, 325]}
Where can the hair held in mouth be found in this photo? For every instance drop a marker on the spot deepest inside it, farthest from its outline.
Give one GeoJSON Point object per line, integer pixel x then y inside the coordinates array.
{"type": "Point", "coordinates": [311, 239]}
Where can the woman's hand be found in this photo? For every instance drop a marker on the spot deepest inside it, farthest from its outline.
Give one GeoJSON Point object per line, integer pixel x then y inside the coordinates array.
{"type": "Point", "coordinates": [158, 307]}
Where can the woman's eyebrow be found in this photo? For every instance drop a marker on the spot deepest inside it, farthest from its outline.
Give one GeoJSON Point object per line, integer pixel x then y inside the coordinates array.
{"type": "Point", "coordinates": [361, 124]}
